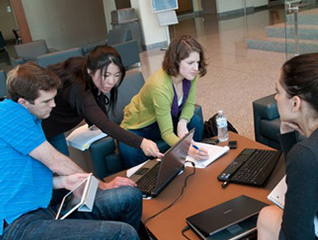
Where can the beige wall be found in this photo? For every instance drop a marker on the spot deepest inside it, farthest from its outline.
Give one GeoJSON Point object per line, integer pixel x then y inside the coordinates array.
{"type": "Point", "coordinates": [151, 32]}
{"type": "Point", "coordinates": [6, 21]}
{"type": "Point", "coordinates": [66, 23]}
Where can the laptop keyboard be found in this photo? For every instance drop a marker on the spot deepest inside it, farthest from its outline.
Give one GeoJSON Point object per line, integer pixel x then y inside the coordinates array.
{"type": "Point", "coordinates": [252, 167]}
{"type": "Point", "coordinates": [148, 182]}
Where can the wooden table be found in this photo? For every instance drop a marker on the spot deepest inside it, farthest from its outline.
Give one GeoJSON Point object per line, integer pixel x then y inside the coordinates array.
{"type": "Point", "coordinates": [202, 192]}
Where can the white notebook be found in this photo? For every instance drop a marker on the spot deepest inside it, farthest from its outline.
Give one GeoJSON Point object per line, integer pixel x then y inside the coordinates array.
{"type": "Point", "coordinates": [277, 196]}
{"type": "Point", "coordinates": [82, 137]}
{"type": "Point", "coordinates": [214, 153]}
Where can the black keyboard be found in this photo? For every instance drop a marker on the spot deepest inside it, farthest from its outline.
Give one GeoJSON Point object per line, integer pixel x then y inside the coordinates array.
{"type": "Point", "coordinates": [251, 167]}
{"type": "Point", "coordinates": [148, 182]}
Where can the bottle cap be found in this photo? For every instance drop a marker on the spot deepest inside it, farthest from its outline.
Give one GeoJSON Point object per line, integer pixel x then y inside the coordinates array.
{"type": "Point", "coordinates": [220, 112]}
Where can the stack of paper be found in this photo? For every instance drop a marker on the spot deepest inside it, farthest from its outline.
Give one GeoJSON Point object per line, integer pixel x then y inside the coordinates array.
{"type": "Point", "coordinates": [214, 153]}
{"type": "Point", "coordinates": [82, 137]}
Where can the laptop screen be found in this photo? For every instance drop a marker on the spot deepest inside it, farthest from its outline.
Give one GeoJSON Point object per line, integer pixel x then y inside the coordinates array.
{"type": "Point", "coordinates": [174, 159]}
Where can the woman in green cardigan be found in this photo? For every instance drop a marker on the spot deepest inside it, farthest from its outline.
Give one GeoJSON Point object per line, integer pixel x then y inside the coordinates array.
{"type": "Point", "coordinates": [164, 107]}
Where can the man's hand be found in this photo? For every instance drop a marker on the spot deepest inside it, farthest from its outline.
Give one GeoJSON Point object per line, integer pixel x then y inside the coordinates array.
{"type": "Point", "coordinates": [150, 148]}
{"type": "Point", "coordinates": [117, 182]}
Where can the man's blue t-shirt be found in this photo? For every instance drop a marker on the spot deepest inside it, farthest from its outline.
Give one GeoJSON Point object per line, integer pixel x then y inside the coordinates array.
{"type": "Point", "coordinates": [25, 183]}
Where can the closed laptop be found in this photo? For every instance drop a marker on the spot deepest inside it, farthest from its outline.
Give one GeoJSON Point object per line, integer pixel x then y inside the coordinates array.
{"type": "Point", "coordinates": [230, 220]}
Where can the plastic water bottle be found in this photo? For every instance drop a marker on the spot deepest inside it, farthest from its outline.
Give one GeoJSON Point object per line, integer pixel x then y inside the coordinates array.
{"type": "Point", "coordinates": [221, 123]}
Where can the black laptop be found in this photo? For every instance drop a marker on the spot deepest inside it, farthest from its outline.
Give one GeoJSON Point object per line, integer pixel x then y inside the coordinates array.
{"type": "Point", "coordinates": [233, 219]}
{"type": "Point", "coordinates": [155, 175]}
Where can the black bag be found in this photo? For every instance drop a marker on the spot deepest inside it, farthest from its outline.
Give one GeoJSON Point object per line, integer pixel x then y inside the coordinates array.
{"type": "Point", "coordinates": [210, 129]}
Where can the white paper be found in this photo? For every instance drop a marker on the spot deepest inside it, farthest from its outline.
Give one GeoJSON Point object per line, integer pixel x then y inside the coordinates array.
{"type": "Point", "coordinates": [277, 195]}
{"type": "Point", "coordinates": [214, 153]}
{"type": "Point", "coordinates": [82, 137]}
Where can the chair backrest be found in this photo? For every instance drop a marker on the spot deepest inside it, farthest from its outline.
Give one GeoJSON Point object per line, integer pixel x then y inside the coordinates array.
{"type": "Point", "coordinates": [89, 47]}
{"type": "Point", "coordinates": [29, 51]}
{"type": "Point", "coordinates": [58, 56]}
{"type": "Point", "coordinates": [130, 86]}
{"type": "Point", "coordinates": [129, 53]}
{"type": "Point", "coordinates": [3, 87]}
{"type": "Point", "coordinates": [116, 36]}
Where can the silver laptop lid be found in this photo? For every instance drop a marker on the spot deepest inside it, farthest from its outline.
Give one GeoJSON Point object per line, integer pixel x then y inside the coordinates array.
{"type": "Point", "coordinates": [174, 159]}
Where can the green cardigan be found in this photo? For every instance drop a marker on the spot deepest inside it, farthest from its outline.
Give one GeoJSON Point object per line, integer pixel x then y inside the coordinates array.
{"type": "Point", "coordinates": [153, 104]}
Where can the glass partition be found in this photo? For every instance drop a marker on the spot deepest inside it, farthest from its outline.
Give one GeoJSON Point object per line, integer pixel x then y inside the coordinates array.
{"type": "Point", "coordinates": [301, 27]}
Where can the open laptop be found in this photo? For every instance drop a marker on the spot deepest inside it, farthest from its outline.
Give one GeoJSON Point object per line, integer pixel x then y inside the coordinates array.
{"type": "Point", "coordinates": [233, 219]}
{"type": "Point", "coordinates": [155, 175]}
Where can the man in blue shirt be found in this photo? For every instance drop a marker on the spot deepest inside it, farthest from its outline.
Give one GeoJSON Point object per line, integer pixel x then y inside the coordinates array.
{"type": "Point", "coordinates": [27, 164]}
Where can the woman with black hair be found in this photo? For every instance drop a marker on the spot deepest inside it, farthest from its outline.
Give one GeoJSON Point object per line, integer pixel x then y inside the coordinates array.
{"type": "Point", "coordinates": [297, 104]}
{"type": "Point", "coordinates": [86, 81]}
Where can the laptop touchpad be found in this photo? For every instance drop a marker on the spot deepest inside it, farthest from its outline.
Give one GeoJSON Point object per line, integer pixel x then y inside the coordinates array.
{"type": "Point", "coordinates": [235, 229]}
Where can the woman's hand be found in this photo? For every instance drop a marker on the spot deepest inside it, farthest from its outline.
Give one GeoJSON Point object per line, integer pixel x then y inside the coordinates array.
{"type": "Point", "coordinates": [150, 148]}
{"type": "Point", "coordinates": [197, 153]}
{"type": "Point", "coordinates": [117, 182]}
{"type": "Point", "coordinates": [286, 127]}
{"type": "Point", "coordinates": [182, 128]}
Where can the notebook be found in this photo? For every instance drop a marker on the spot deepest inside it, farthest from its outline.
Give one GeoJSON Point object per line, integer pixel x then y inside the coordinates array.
{"type": "Point", "coordinates": [82, 137]}
{"type": "Point", "coordinates": [81, 198]}
{"type": "Point", "coordinates": [164, 171]}
{"type": "Point", "coordinates": [214, 153]}
{"type": "Point", "coordinates": [277, 196]}
{"type": "Point", "coordinates": [233, 219]}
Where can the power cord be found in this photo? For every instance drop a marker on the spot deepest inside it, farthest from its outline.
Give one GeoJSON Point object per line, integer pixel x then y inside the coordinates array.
{"type": "Point", "coordinates": [180, 195]}
{"type": "Point", "coordinates": [184, 230]}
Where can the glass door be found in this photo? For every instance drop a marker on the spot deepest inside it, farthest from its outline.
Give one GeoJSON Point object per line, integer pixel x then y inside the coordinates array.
{"type": "Point", "coordinates": [301, 27]}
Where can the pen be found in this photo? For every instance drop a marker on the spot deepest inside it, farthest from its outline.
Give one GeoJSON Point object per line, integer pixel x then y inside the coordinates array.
{"type": "Point", "coordinates": [196, 147]}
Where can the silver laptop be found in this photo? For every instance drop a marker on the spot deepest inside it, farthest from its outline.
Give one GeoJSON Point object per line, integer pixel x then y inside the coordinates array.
{"type": "Point", "coordinates": [230, 220]}
{"type": "Point", "coordinates": [155, 175]}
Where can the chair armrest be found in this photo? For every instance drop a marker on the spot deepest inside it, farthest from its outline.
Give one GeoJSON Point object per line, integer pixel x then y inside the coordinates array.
{"type": "Point", "coordinates": [98, 150]}
{"type": "Point", "coordinates": [198, 112]}
{"type": "Point", "coordinates": [16, 61]}
{"type": "Point", "coordinates": [52, 50]}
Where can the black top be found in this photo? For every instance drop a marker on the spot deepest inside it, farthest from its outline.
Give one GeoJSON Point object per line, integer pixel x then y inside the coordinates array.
{"type": "Point", "coordinates": [301, 199]}
{"type": "Point", "coordinates": [64, 116]}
